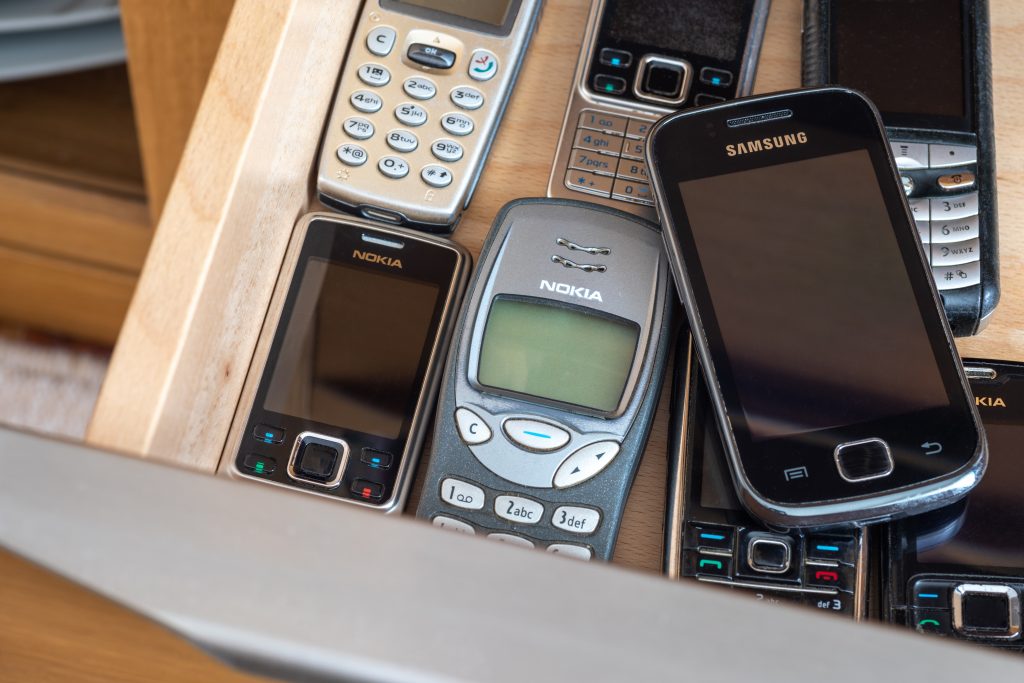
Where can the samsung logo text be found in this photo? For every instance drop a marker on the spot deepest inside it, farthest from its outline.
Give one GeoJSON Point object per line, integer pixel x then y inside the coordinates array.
{"type": "Point", "coordinates": [765, 144]}
{"type": "Point", "coordinates": [571, 290]}
{"type": "Point", "coordinates": [377, 258]}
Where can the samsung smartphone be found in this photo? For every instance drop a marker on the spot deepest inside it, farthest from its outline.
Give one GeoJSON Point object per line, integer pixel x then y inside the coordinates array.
{"type": "Point", "coordinates": [711, 538]}
{"type": "Point", "coordinates": [829, 361]}
{"type": "Point", "coordinates": [422, 91]}
{"type": "Point", "coordinates": [639, 60]}
{"type": "Point", "coordinates": [926, 64]}
{"type": "Point", "coordinates": [552, 380]}
{"type": "Point", "coordinates": [340, 390]}
{"type": "Point", "coordinates": [959, 571]}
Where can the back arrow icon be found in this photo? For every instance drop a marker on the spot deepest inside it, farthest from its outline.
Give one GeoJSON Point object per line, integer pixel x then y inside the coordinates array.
{"type": "Point", "coordinates": [931, 447]}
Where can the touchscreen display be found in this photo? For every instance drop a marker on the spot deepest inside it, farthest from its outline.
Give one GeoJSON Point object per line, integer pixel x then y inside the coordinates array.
{"type": "Point", "coordinates": [557, 352]}
{"type": "Point", "coordinates": [352, 352]}
{"type": "Point", "coordinates": [713, 29]}
{"type": "Point", "coordinates": [906, 55]}
{"type": "Point", "coordinates": [805, 275]}
{"type": "Point", "coordinates": [493, 12]}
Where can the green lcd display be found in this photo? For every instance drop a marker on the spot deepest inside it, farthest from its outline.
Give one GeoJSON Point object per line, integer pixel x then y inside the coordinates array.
{"type": "Point", "coordinates": [557, 352]}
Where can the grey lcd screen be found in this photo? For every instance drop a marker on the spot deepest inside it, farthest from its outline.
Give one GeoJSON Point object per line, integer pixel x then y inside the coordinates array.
{"type": "Point", "coordinates": [806, 282]}
{"type": "Point", "coordinates": [493, 12]}
{"type": "Point", "coordinates": [712, 29]}
{"type": "Point", "coordinates": [353, 348]}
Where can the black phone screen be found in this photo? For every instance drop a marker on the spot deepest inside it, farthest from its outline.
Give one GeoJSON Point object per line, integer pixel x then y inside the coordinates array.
{"type": "Point", "coordinates": [714, 29]}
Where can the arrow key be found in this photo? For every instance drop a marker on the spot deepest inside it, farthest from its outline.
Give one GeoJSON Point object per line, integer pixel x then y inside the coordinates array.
{"type": "Point", "coordinates": [585, 463]}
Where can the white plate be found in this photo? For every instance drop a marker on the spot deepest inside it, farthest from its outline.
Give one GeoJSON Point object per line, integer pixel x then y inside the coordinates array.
{"type": "Point", "coordinates": [47, 53]}
{"type": "Point", "coordinates": [19, 16]}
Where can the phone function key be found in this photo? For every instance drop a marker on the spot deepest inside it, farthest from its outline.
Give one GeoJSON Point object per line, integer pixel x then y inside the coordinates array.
{"type": "Point", "coordinates": [402, 140]}
{"type": "Point", "coordinates": [585, 160]}
{"type": "Point", "coordinates": [769, 554]}
{"type": "Point", "coordinates": [919, 208]}
{"type": "Point", "coordinates": [411, 114]}
{"type": "Point", "coordinates": [591, 183]}
{"type": "Point", "coordinates": [358, 128]}
{"type": "Point", "coordinates": [609, 85]}
{"type": "Point", "coordinates": [703, 564]}
{"type": "Point", "coordinates": [956, 277]}
{"type": "Point", "coordinates": [518, 509]}
{"type": "Point", "coordinates": [511, 539]}
{"type": "Point", "coordinates": [620, 59]}
{"type": "Point", "coordinates": [431, 56]}
{"type": "Point", "coordinates": [457, 123]}
{"type": "Point", "coordinates": [638, 128]}
{"type": "Point", "coordinates": [393, 167]}
{"type": "Point", "coordinates": [632, 191]}
{"type": "Point", "coordinates": [419, 88]}
{"type": "Point", "coordinates": [436, 176]}
{"type": "Point", "coordinates": [632, 169]}
{"type": "Point", "coordinates": [378, 460]}
{"type": "Point", "coordinates": [462, 494]}
{"type": "Point", "coordinates": [955, 253]}
{"type": "Point", "coordinates": [259, 464]}
{"type": "Point", "coordinates": [366, 101]}
{"type": "Point", "coordinates": [483, 65]}
{"type": "Point", "coordinates": [633, 149]}
{"type": "Point", "coordinates": [381, 40]}
{"type": "Point", "coordinates": [944, 156]}
{"type": "Point", "coordinates": [910, 155]}
{"type": "Point", "coordinates": [839, 577]}
{"type": "Point", "coordinates": [987, 610]}
{"type": "Point", "coordinates": [955, 231]}
{"type": "Point", "coordinates": [534, 435]}
{"type": "Point", "coordinates": [578, 520]}
{"type": "Point", "coordinates": [352, 155]}
{"type": "Point", "coordinates": [367, 490]}
{"type": "Point", "coordinates": [832, 548]}
{"type": "Point", "coordinates": [585, 463]}
{"type": "Point", "coordinates": [863, 460]}
{"type": "Point", "coordinates": [472, 429]}
{"type": "Point", "coordinates": [710, 537]}
{"type": "Point", "coordinates": [961, 206]}
{"type": "Point", "coordinates": [466, 97]}
{"type": "Point", "coordinates": [933, 621]}
{"type": "Point", "coordinates": [268, 433]}
{"type": "Point", "coordinates": [577, 552]}
{"type": "Point", "coordinates": [930, 594]}
{"type": "Point", "coordinates": [908, 184]}
{"type": "Point", "coordinates": [452, 524]}
{"type": "Point", "coordinates": [603, 121]}
{"type": "Point", "coordinates": [956, 181]}
{"type": "Point", "coordinates": [598, 142]}
{"type": "Point", "coordinates": [374, 74]}
{"type": "Point", "coordinates": [447, 150]}
{"type": "Point", "coordinates": [720, 78]}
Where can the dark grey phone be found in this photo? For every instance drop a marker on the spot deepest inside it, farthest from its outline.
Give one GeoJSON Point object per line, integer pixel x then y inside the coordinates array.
{"type": "Point", "coordinates": [552, 380]}
{"type": "Point", "coordinates": [831, 366]}
{"type": "Point", "coordinates": [927, 66]}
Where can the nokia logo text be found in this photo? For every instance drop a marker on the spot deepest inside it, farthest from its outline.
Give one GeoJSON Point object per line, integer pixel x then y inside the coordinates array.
{"type": "Point", "coordinates": [989, 402]}
{"type": "Point", "coordinates": [571, 290]}
{"type": "Point", "coordinates": [765, 144]}
{"type": "Point", "coordinates": [377, 258]}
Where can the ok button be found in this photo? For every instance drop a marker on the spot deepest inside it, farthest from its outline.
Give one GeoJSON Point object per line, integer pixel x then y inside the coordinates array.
{"type": "Point", "coordinates": [534, 435]}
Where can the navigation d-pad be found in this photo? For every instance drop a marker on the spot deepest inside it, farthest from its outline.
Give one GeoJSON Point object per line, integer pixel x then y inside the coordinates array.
{"type": "Point", "coordinates": [863, 460]}
{"type": "Point", "coordinates": [986, 610]}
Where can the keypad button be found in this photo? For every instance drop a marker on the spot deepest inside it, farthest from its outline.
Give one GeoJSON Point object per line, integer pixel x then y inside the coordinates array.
{"type": "Point", "coordinates": [578, 552]}
{"type": "Point", "coordinates": [483, 65]}
{"type": "Point", "coordinates": [578, 520]}
{"type": "Point", "coordinates": [534, 435]}
{"type": "Point", "coordinates": [411, 114]}
{"type": "Point", "coordinates": [598, 142]}
{"type": "Point", "coordinates": [352, 155]}
{"type": "Point", "coordinates": [910, 155]}
{"type": "Point", "coordinates": [719, 78]}
{"type": "Point", "coordinates": [374, 74]}
{"type": "Point", "coordinates": [436, 176]}
{"type": "Point", "coordinates": [839, 577]}
{"type": "Point", "coordinates": [955, 277]}
{"type": "Point", "coordinates": [457, 124]}
{"type": "Point", "coordinates": [462, 494]}
{"type": "Point", "coordinates": [511, 539]}
{"type": "Point", "coordinates": [632, 191]}
{"type": "Point", "coordinates": [393, 167]}
{"type": "Point", "coordinates": [472, 429]}
{"type": "Point", "coordinates": [769, 554]}
{"type": "Point", "coordinates": [518, 509]}
{"type": "Point", "coordinates": [381, 40]}
{"type": "Point", "coordinates": [447, 150]}
{"type": "Point", "coordinates": [947, 208]}
{"type": "Point", "coordinates": [986, 610]}
{"type": "Point", "coordinates": [358, 128]}
{"type": "Point", "coordinates": [465, 97]}
{"type": "Point", "coordinates": [366, 101]}
{"type": "Point", "coordinates": [633, 149]}
{"type": "Point", "coordinates": [710, 537]}
{"type": "Point", "coordinates": [864, 460]}
{"type": "Point", "coordinates": [945, 156]}
{"type": "Point", "coordinates": [709, 565]}
{"type": "Point", "coordinates": [419, 88]}
{"type": "Point", "coordinates": [378, 460]}
{"type": "Point", "coordinates": [924, 231]}
{"type": "Point", "coordinates": [431, 56]}
{"type": "Point", "coordinates": [268, 433]}
{"type": "Point", "coordinates": [919, 208]}
{"type": "Point", "coordinates": [955, 253]}
{"type": "Point", "coordinates": [585, 160]}
{"type": "Point", "coordinates": [452, 524]}
{"type": "Point", "coordinates": [603, 121]}
{"type": "Point", "coordinates": [832, 548]}
{"type": "Point", "coordinates": [619, 59]}
{"type": "Point", "coordinates": [935, 622]}
{"type": "Point", "coordinates": [367, 490]}
{"type": "Point", "coordinates": [632, 170]}
{"type": "Point", "coordinates": [591, 183]}
{"type": "Point", "coordinates": [638, 128]}
{"type": "Point", "coordinates": [585, 463]}
{"type": "Point", "coordinates": [930, 594]}
{"type": "Point", "coordinates": [954, 231]}
{"type": "Point", "coordinates": [402, 140]}
{"type": "Point", "coordinates": [259, 464]}
{"type": "Point", "coordinates": [609, 85]}
{"type": "Point", "coordinates": [956, 181]}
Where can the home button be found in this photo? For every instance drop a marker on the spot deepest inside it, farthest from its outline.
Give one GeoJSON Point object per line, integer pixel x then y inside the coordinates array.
{"type": "Point", "coordinates": [863, 460]}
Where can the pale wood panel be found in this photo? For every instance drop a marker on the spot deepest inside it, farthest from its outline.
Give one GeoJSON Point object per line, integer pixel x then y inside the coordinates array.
{"type": "Point", "coordinates": [171, 47]}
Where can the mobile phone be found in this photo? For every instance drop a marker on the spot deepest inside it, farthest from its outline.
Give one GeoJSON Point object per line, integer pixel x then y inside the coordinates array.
{"type": "Point", "coordinates": [423, 89]}
{"type": "Point", "coordinates": [711, 538]}
{"type": "Point", "coordinates": [830, 364]}
{"type": "Point", "coordinates": [927, 66]}
{"type": "Point", "coordinates": [341, 387]}
{"type": "Point", "coordinates": [959, 571]}
{"type": "Point", "coordinates": [639, 60]}
{"type": "Point", "coordinates": [552, 380]}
